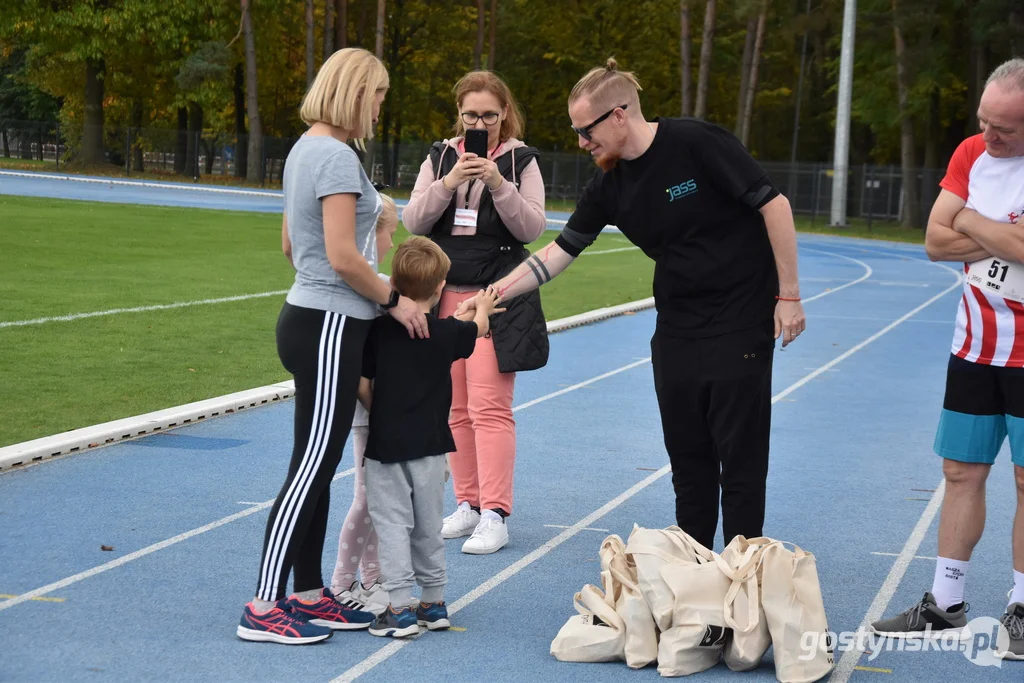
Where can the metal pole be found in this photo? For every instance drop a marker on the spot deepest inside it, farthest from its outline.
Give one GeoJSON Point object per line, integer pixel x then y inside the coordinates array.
{"type": "Point", "coordinates": [842, 144]}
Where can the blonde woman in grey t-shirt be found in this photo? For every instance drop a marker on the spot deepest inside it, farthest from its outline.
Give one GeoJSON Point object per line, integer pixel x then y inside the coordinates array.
{"type": "Point", "coordinates": [330, 208]}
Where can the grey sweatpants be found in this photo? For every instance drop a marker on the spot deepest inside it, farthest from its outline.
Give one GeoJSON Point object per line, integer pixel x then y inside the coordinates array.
{"type": "Point", "coordinates": [406, 502]}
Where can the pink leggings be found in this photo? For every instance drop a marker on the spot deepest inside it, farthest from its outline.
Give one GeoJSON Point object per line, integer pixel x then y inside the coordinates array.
{"type": "Point", "coordinates": [357, 545]}
{"type": "Point", "coordinates": [482, 424]}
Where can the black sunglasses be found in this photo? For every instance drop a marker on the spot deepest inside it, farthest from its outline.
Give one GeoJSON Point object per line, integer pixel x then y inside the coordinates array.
{"type": "Point", "coordinates": [584, 132]}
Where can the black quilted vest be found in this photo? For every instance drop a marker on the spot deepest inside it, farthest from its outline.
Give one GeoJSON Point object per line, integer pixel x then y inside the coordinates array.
{"type": "Point", "coordinates": [520, 333]}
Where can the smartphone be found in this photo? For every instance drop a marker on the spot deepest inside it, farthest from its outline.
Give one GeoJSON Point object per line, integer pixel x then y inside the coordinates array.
{"type": "Point", "coordinates": [476, 142]}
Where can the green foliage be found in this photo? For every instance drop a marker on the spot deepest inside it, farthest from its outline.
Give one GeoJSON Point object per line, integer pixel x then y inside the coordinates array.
{"type": "Point", "coordinates": [161, 56]}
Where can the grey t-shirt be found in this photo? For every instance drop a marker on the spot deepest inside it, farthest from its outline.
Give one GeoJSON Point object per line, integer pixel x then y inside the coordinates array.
{"type": "Point", "coordinates": [317, 167]}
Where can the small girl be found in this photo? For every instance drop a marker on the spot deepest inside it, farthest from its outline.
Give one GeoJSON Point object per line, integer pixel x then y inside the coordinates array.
{"type": "Point", "coordinates": [357, 545]}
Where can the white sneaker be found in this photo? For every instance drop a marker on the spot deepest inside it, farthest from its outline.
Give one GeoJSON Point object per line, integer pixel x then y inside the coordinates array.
{"type": "Point", "coordinates": [375, 598]}
{"type": "Point", "coordinates": [460, 523]}
{"type": "Point", "coordinates": [490, 535]}
{"type": "Point", "coordinates": [350, 597]}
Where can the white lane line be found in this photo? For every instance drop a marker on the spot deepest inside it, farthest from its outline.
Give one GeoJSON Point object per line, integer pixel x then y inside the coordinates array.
{"type": "Point", "coordinates": [392, 648]}
{"type": "Point", "coordinates": [587, 252]}
{"type": "Point", "coordinates": [141, 309]}
{"type": "Point", "coordinates": [867, 273]}
{"type": "Point", "coordinates": [148, 550]}
{"type": "Point", "coordinates": [562, 526]}
{"type": "Point", "coordinates": [507, 573]}
{"type": "Point", "coordinates": [848, 662]}
{"type": "Point", "coordinates": [916, 557]}
{"type": "Point", "coordinates": [245, 513]}
{"type": "Point", "coordinates": [142, 183]}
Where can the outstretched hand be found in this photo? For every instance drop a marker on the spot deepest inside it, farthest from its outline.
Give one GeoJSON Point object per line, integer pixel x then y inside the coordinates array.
{"type": "Point", "coordinates": [487, 300]}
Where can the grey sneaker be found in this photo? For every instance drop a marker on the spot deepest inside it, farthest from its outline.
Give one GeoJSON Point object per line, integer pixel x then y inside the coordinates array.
{"type": "Point", "coordinates": [924, 619]}
{"type": "Point", "coordinates": [1013, 620]}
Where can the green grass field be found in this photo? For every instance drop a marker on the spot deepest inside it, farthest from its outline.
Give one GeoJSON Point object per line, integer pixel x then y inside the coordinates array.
{"type": "Point", "coordinates": [68, 257]}
{"type": "Point", "coordinates": [65, 257]}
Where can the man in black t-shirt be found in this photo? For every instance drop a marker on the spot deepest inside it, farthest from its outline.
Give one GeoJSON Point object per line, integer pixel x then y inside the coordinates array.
{"type": "Point", "coordinates": [406, 386]}
{"type": "Point", "coordinates": [725, 287]}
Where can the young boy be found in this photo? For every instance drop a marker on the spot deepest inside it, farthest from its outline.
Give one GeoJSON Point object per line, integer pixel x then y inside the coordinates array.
{"type": "Point", "coordinates": [411, 396]}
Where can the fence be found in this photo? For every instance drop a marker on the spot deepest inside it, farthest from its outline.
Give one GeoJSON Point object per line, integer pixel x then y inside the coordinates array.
{"type": "Point", "coordinates": [873, 192]}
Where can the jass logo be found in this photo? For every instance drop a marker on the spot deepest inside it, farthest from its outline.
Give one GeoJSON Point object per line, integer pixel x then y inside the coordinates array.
{"type": "Point", "coordinates": [681, 190]}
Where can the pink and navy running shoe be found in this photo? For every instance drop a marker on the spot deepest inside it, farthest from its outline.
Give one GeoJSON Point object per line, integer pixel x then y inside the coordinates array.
{"type": "Point", "coordinates": [327, 611]}
{"type": "Point", "coordinates": [279, 625]}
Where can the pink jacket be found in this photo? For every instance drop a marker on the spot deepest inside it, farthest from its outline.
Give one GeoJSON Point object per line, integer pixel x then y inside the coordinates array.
{"type": "Point", "coordinates": [522, 211]}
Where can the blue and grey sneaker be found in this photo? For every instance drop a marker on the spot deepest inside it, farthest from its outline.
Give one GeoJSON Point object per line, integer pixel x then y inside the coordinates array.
{"type": "Point", "coordinates": [1013, 620]}
{"type": "Point", "coordinates": [433, 615]}
{"type": "Point", "coordinates": [924, 619]}
{"type": "Point", "coordinates": [392, 624]}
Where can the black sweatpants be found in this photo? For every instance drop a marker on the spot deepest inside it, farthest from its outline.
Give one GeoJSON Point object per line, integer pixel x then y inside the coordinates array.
{"type": "Point", "coordinates": [715, 399]}
{"type": "Point", "coordinates": [324, 352]}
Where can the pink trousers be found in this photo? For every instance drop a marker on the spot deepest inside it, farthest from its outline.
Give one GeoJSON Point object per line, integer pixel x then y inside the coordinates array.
{"type": "Point", "coordinates": [482, 424]}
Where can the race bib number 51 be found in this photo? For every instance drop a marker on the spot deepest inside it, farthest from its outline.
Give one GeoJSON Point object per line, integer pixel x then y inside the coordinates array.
{"type": "Point", "coordinates": [1003, 278]}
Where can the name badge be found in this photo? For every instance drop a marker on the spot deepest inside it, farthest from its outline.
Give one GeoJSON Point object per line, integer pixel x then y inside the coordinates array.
{"type": "Point", "coordinates": [1003, 278]}
{"type": "Point", "coordinates": [465, 218]}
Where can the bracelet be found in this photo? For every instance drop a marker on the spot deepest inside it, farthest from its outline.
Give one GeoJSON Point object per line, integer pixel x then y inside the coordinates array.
{"type": "Point", "coordinates": [782, 298]}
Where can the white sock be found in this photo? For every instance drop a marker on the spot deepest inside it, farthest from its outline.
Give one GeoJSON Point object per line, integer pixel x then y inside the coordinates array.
{"type": "Point", "coordinates": [311, 596]}
{"type": "Point", "coordinates": [491, 514]}
{"type": "Point", "coordinates": [948, 585]}
{"type": "Point", "coordinates": [262, 606]}
{"type": "Point", "coordinates": [1018, 587]}
{"type": "Point", "coordinates": [464, 505]}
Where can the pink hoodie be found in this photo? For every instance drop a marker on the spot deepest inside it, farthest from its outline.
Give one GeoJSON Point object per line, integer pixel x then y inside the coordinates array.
{"type": "Point", "coordinates": [522, 211]}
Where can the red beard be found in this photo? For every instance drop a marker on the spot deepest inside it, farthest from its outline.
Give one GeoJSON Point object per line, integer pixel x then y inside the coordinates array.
{"type": "Point", "coordinates": [606, 162]}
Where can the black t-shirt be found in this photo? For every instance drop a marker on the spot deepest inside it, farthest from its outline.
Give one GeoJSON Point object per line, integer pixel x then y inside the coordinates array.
{"type": "Point", "coordinates": [412, 386]}
{"type": "Point", "coordinates": [691, 203]}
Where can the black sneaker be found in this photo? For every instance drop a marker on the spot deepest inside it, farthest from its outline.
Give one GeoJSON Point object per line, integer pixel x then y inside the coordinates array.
{"type": "Point", "coordinates": [924, 619]}
{"type": "Point", "coordinates": [1013, 620]}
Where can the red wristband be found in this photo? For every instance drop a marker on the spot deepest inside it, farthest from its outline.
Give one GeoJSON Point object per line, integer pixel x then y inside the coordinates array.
{"type": "Point", "coordinates": [782, 298]}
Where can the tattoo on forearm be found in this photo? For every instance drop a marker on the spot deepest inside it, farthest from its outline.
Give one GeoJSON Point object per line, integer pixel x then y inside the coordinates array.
{"type": "Point", "coordinates": [537, 266]}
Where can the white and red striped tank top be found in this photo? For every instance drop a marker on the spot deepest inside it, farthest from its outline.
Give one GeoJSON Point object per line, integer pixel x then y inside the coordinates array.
{"type": "Point", "coordinates": [989, 328]}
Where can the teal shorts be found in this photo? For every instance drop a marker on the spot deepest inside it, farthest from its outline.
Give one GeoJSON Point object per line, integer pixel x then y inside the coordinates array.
{"type": "Point", "coordinates": [983, 405]}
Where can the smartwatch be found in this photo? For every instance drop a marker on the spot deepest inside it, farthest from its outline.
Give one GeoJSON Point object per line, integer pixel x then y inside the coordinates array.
{"type": "Point", "coordinates": [392, 302]}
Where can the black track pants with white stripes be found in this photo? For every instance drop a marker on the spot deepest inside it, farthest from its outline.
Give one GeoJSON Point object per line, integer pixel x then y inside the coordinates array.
{"type": "Point", "coordinates": [324, 352]}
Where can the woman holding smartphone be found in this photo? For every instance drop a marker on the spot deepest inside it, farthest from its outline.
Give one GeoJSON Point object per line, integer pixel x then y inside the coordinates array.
{"type": "Point", "coordinates": [480, 197]}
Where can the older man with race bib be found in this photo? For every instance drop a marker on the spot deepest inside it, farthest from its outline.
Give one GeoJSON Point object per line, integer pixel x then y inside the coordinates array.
{"type": "Point", "coordinates": [977, 219]}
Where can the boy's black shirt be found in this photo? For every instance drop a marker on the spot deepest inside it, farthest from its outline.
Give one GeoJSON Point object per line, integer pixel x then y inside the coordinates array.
{"type": "Point", "coordinates": [691, 203]}
{"type": "Point", "coordinates": [412, 386]}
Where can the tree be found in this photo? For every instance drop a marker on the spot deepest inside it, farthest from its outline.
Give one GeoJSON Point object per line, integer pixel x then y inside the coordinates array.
{"type": "Point", "coordinates": [492, 46]}
{"type": "Point", "coordinates": [255, 152]}
{"type": "Point", "coordinates": [341, 26]}
{"type": "Point", "coordinates": [310, 43]}
{"type": "Point", "coordinates": [911, 209]}
{"type": "Point", "coordinates": [685, 52]}
{"type": "Point", "coordinates": [707, 43]}
{"type": "Point", "coordinates": [751, 85]}
{"type": "Point", "coordinates": [328, 28]}
{"type": "Point", "coordinates": [379, 49]}
{"type": "Point", "coordinates": [480, 25]}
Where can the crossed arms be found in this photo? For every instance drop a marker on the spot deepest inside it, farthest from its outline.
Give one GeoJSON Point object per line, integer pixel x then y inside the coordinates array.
{"type": "Point", "coordinates": [956, 233]}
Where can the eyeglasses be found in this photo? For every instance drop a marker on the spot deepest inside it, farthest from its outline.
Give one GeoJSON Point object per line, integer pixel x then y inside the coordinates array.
{"type": "Point", "coordinates": [470, 118]}
{"type": "Point", "coordinates": [584, 132]}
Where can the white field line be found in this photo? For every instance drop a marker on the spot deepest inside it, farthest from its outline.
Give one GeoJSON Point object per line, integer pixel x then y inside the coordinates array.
{"type": "Point", "coordinates": [141, 309]}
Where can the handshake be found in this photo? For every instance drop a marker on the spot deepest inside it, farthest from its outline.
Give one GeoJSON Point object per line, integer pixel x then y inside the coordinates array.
{"type": "Point", "coordinates": [485, 301]}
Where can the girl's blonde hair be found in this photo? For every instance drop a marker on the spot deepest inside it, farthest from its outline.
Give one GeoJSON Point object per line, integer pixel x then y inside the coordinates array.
{"type": "Point", "coordinates": [388, 214]}
{"type": "Point", "coordinates": [488, 81]}
{"type": "Point", "coordinates": [342, 92]}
